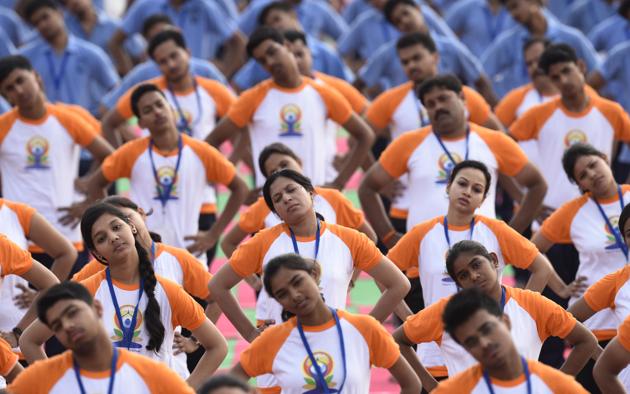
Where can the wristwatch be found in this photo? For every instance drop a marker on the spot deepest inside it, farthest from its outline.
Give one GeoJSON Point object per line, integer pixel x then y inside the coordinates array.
{"type": "Point", "coordinates": [17, 331]}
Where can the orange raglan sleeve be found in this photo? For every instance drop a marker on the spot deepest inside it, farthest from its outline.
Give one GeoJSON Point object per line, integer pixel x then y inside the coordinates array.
{"type": "Point", "coordinates": [557, 227]}
{"type": "Point", "coordinates": [40, 377]}
{"type": "Point", "coordinates": [380, 112]}
{"type": "Point", "coordinates": [86, 116]}
{"type": "Point", "coordinates": [529, 124]}
{"type": "Point", "coordinates": [551, 319]}
{"type": "Point", "coordinates": [223, 98]}
{"type": "Point", "coordinates": [601, 294]}
{"type": "Point", "coordinates": [510, 157]}
{"type": "Point", "coordinates": [516, 249]}
{"type": "Point", "coordinates": [623, 334]}
{"type": "Point", "coordinates": [123, 105]}
{"type": "Point", "coordinates": [365, 254]}
{"type": "Point", "coordinates": [258, 358]}
{"type": "Point", "coordinates": [357, 101]}
{"type": "Point", "coordinates": [507, 107]}
{"type": "Point", "coordinates": [463, 382]}
{"type": "Point", "coordinates": [218, 168]}
{"type": "Point", "coordinates": [395, 157]}
{"type": "Point", "coordinates": [7, 120]}
{"type": "Point", "coordinates": [347, 214]}
{"type": "Point", "coordinates": [384, 351]}
{"type": "Point", "coordinates": [616, 116]}
{"type": "Point", "coordinates": [196, 276]}
{"type": "Point", "coordinates": [156, 375]}
{"type": "Point", "coordinates": [556, 380]}
{"type": "Point", "coordinates": [338, 107]}
{"type": "Point", "coordinates": [253, 219]}
{"type": "Point", "coordinates": [24, 213]}
{"type": "Point", "coordinates": [13, 259]}
{"type": "Point", "coordinates": [93, 282]}
{"type": "Point", "coordinates": [120, 163]}
{"type": "Point", "coordinates": [426, 325]}
{"type": "Point", "coordinates": [8, 359]}
{"type": "Point", "coordinates": [247, 259]}
{"type": "Point", "coordinates": [243, 109]}
{"type": "Point", "coordinates": [185, 311]}
{"type": "Point", "coordinates": [82, 132]}
{"type": "Point", "coordinates": [406, 253]}
{"type": "Point", "coordinates": [478, 109]}
{"type": "Point", "coordinates": [88, 270]}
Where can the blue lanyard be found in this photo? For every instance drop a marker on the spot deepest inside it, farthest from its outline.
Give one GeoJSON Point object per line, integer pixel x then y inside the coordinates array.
{"type": "Point", "coordinates": [423, 121]}
{"type": "Point", "coordinates": [295, 245]}
{"type": "Point", "coordinates": [152, 251]}
{"type": "Point", "coordinates": [126, 331]}
{"type": "Point", "coordinates": [112, 373]}
{"type": "Point", "coordinates": [183, 125]}
{"type": "Point", "coordinates": [446, 151]}
{"type": "Point", "coordinates": [616, 232]}
{"type": "Point", "coordinates": [486, 377]}
{"type": "Point", "coordinates": [320, 378]}
{"type": "Point", "coordinates": [57, 77]}
{"type": "Point", "coordinates": [448, 238]}
{"type": "Point", "coordinates": [494, 25]}
{"type": "Point", "coordinates": [502, 298]}
{"type": "Point", "coordinates": [164, 189]}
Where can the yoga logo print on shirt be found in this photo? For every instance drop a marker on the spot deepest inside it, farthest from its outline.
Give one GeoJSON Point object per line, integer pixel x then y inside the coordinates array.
{"type": "Point", "coordinates": [37, 150]}
{"type": "Point", "coordinates": [573, 137]}
{"type": "Point", "coordinates": [326, 364]}
{"type": "Point", "coordinates": [445, 166]}
{"type": "Point", "coordinates": [611, 240]}
{"type": "Point", "coordinates": [290, 118]}
{"type": "Point", "coordinates": [166, 176]}
{"type": "Point", "coordinates": [126, 312]}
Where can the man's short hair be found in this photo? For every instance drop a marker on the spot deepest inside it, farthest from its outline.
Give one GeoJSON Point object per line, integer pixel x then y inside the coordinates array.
{"type": "Point", "coordinates": [33, 6]}
{"type": "Point", "coordinates": [140, 91]}
{"type": "Point", "coordinates": [463, 305]}
{"type": "Point", "coordinates": [295, 35]}
{"type": "Point", "coordinates": [154, 20]}
{"type": "Point", "coordinates": [556, 53]}
{"type": "Point", "coordinates": [8, 64]}
{"type": "Point", "coordinates": [391, 5]}
{"type": "Point", "coordinates": [444, 81]}
{"type": "Point", "coordinates": [165, 36]}
{"type": "Point", "coordinates": [412, 39]}
{"type": "Point", "coordinates": [274, 6]}
{"type": "Point", "coordinates": [67, 290]}
{"type": "Point", "coordinates": [261, 34]}
{"type": "Point", "coordinates": [223, 381]}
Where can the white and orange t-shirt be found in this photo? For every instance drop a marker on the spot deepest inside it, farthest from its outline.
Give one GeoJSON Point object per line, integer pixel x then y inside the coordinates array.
{"type": "Point", "coordinates": [177, 308]}
{"type": "Point", "coordinates": [623, 337]}
{"type": "Point", "coordinates": [518, 101]}
{"type": "Point", "coordinates": [579, 222]}
{"type": "Point", "coordinates": [341, 250]}
{"type": "Point", "coordinates": [555, 129]}
{"type": "Point", "coordinates": [134, 374]}
{"type": "Point", "coordinates": [200, 164]}
{"type": "Point", "coordinates": [15, 224]}
{"type": "Point", "coordinates": [39, 161]}
{"type": "Point", "coordinates": [296, 117]}
{"type": "Point", "coordinates": [612, 291]}
{"type": "Point", "coordinates": [172, 263]}
{"type": "Point", "coordinates": [544, 380]}
{"type": "Point", "coordinates": [533, 319]}
{"type": "Point", "coordinates": [279, 351]}
{"type": "Point", "coordinates": [330, 203]}
{"type": "Point", "coordinates": [400, 109]}
{"type": "Point", "coordinates": [8, 359]}
{"type": "Point", "coordinates": [419, 154]}
{"type": "Point", "coordinates": [13, 259]}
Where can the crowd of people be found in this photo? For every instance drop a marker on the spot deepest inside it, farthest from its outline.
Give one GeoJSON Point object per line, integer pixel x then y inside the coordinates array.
{"type": "Point", "coordinates": [484, 134]}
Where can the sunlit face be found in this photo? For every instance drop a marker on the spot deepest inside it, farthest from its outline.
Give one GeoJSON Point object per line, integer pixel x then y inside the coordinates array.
{"type": "Point", "coordinates": [407, 18]}
{"type": "Point", "coordinates": [113, 239]}
{"type": "Point", "coordinates": [418, 63]}
{"type": "Point", "coordinates": [48, 22]}
{"type": "Point", "coordinates": [291, 201]}
{"type": "Point", "coordinates": [472, 270]}
{"type": "Point", "coordinates": [296, 290]}
{"type": "Point", "coordinates": [74, 322]}
{"type": "Point", "coordinates": [532, 56]}
{"type": "Point", "coordinates": [593, 174]}
{"type": "Point", "coordinates": [568, 77]}
{"type": "Point", "coordinates": [274, 57]}
{"type": "Point", "coordinates": [466, 192]}
{"type": "Point", "coordinates": [446, 109]}
{"type": "Point", "coordinates": [156, 113]}
{"type": "Point", "coordinates": [278, 161]}
{"type": "Point", "coordinates": [21, 88]}
{"type": "Point", "coordinates": [172, 60]}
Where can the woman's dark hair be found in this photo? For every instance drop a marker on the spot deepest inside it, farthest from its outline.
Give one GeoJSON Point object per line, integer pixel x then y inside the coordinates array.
{"type": "Point", "coordinates": [291, 261]}
{"type": "Point", "coordinates": [124, 202]}
{"type": "Point", "coordinates": [218, 382]}
{"type": "Point", "coordinates": [477, 165]}
{"type": "Point", "coordinates": [623, 218]}
{"type": "Point", "coordinates": [573, 154]}
{"type": "Point", "coordinates": [466, 246]}
{"type": "Point", "coordinates": [152, 319]}
{"type": "Point", "coordinates": [298, 178]}
{"type": "Point", "coordinates": [272, 149]}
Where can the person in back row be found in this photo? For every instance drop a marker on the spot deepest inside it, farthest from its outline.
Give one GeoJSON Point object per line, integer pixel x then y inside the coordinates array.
{"type": "Point", "coordinates": [292, 109]}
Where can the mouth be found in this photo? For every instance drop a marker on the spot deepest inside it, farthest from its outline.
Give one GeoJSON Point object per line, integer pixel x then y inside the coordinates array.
{"type": "Point", "coordinates": [293, 207]}
{"type": "Point", "coordinates": [121, 246]}
{"type": "Point", "coordinates": [463, 201]}
{"type": "Point", "coordinates": [75, 335]}
{"type": "Point", "coordinates": [441, 114]}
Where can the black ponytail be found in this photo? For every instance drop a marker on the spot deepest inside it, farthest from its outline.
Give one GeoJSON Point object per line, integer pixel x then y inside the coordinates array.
{"type": "Point", "coordinates": [152, 318]}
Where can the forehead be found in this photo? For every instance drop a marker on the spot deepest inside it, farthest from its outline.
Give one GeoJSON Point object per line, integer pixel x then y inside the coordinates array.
{"type": "Point", "coordinates": [401, 8]}
{"type": "Point", "coordinates": [558, 67]}
{"type": "Point", "coordinates": [165, 48]}
{"type": "Point", "coordinates": [262, 47]}
{"type": "Point", "coordinates": [534, 50]}
{"type": "Point", "coordinates": [103, 222]}
{"type": "Point", "coordinates": [472, 174]}
{"type": "Point", "coordinates": [437, 91]}
{"type": "Point", "coordinates": [296, 44]}
{"type": "Point", "coordinates": [474, 322]}
{"type": "Point", "coordinates": [281, 183]}
{"type": "Point", "coordinates": [15, 74]}
{"type": "Point", "coordinates": [41, 11]}
{"type": "Point", "coordinates": [413, 49]}
{"type": "Point", "coordinates": [150, 98]}
{"type": "Point", "coordinates": [463, 260]}
{"type": "Point", "coordinates": [58, 307]}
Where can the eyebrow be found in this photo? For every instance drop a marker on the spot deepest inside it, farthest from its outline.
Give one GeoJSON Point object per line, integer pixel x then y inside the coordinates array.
{"type": "Point", "coordinates": [110, 223]}
{"type": "Point", "coordinates": [50, 324]}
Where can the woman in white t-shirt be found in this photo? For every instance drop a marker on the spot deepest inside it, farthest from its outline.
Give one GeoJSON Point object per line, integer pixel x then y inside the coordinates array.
{"type": "Point", "coordinates": [319, 349]}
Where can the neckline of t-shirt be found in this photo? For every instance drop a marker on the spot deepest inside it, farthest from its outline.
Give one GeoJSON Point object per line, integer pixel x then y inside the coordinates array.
{"type": "Point", "coordinates": [576, 115]}
{"type": "Point", "coordinates": [170, 153]}
{"type": "Point", "coordinates": [322, 229]}
{"type": "Point", "coordinates": [104, 374]}
{"type": "Point", "coordinates": [449, 139]}
{"type": "Point", "coordinates": [37, 121]}
{"type": "Point", "coordinates": [508, 383]}
{"type": "Point", "coordinates": [453, 227]}
{"type": "Point", "coordinates": [125, 286]}
{"type": "Point", "coordinates": [609, 200]}
{"type": "Point", "coordinates": [322, 327]}
{"type": "Point", "coordinates": [290, 90]}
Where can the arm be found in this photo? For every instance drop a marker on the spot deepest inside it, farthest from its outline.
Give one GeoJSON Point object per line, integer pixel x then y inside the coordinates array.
{"type": "Point", "coordinates": [406, 350]}
{"type": "Point", "coordinates": [405, 376]}
{"type": "Point", "coordinates": [54, 244]}
{"type": "Point", "coordinates": [540, 270]}
{"type": "Point", "coordinates": [14, 372]}
{"type": "Point", "coordinates": [596, 80]}
{"type": "Point", "coordinates": [484, 87]}
{"type": "Point", "coordinates": [32, 341]}
{"type": "Point", "coordinates": [234, 55]}
{"type": "Point", "coordinates": [110, 122]}
{"type": "Point", "coordinates": [493, 123]}
{"type": "Point", "coordinates": [232, 239]}
{"type": "Point", "coordinates": [395, 288]}
{"type": "Point", "coordinates": [223, 131]}
{"type": "Point", "coordinates": [585, 346]}
{"type": "Point", "coordinates": [364, 138]}
{"type": "Point", "coordinates": [238, 372]}
{"type": "Point", "coordinates": [581, 310]}
{"type": "Point", "coordinates": [216, 349]}
{"type": "Point", "coordinates": [374, 180]}
{"type": "Point", "coordinates": [531, 178]}
{"type": "Point", "coordinates": [607, 368]}
{"type": "Point", "coordinates": [204, 240]}
{"type": "Point", "coordinates": [117, 51]}
{"type": "Point", "coordinates": [42, 278]}
{"type": "Point", "coordinates": [220, 287]}
{"type": "Point", "coordinates": [100, 149]}
{"type": "Point", "coordinates": [95, 186]}
{"type": "Point", "coordinates": [366, 229]}
{"type": "Point", "coordinates": [213, 312]}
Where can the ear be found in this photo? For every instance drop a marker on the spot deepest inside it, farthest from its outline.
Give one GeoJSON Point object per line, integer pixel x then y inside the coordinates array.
{"type": "Point", "coordinates": [99, 258]}
{"type": "Point", "coordinates": [98, 308]}
{"type": "Point", "coordinates": [506, 320]}
{"type": "Point", "coordinates": [316, 272]}
{"type": "Point", "coordinates": [134, 230]}
{"type": "Point", "coordinates": [494, 259]}
{"type": "Point", "coordinates": [581, 66]}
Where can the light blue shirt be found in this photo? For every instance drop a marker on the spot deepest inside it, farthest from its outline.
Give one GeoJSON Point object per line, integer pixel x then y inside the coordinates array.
{"type": "Point", "coordinates": [315, 16]}
{"type": "Point", "coordinates": [325, 60]}
{"type": "Point", "coordinates": [610, 32]}
{"type": "Point", "coordinates": [476, 25]}
{"type": "Point", "coordinates": [372, 30]}
{"type": "Point", "coordinates": [585, 14]}
{"type": "Point", "coordinates": [616, 71]}
{"type": "Point", "coordinates": [503, 60]}
{"type": "Point", "coordinates": [148, 70]}
{"type": "Point", "coordinates": [355, 9]}
{"type": "Point", "coordinates": [384, 66]}
{"type": "Point", "coordinates": [13, 26]}
{"type": "Point", "coordinates": [6, 46]}
{"type": "Point", "coordinates": [102, 33]}
{"type": "Point", "coordinates": [229, 8]}
{"type": "Point", "coordinates": [202, 22]}
{"type": "Point", "coordinates": [559, 8]}
{"type": "Point", "coordinates": [80, 75]}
